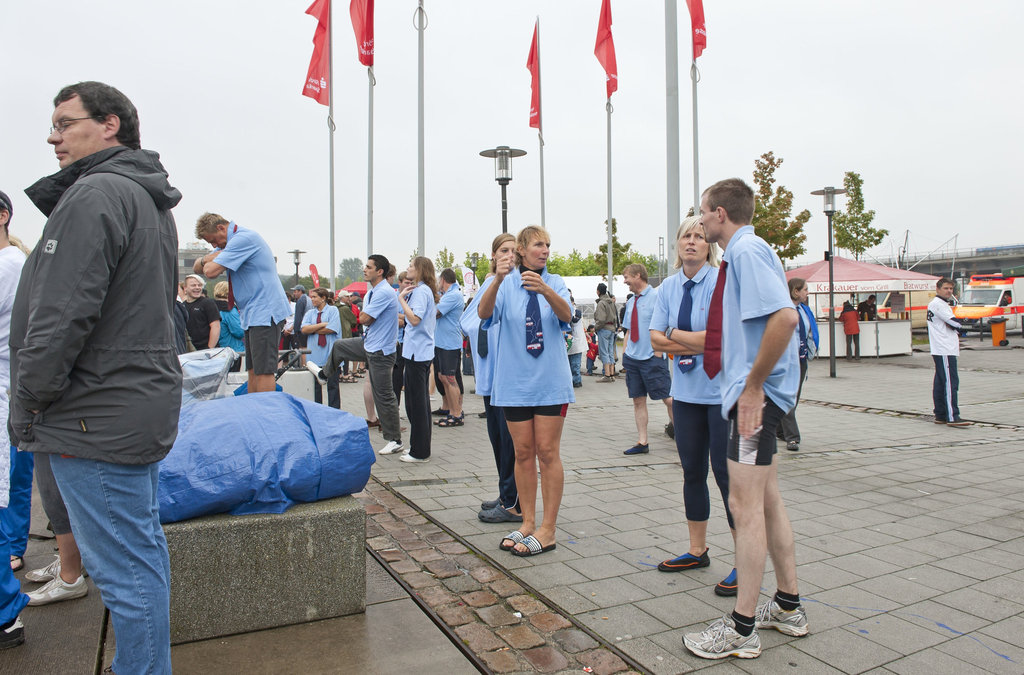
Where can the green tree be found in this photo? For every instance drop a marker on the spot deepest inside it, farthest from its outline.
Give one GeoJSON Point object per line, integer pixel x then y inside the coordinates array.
{"type": "Point", "coordinates": [349, 270]}
{"type": "Point", "coordinates": [853, 231]}
{"type": "Point", "coordinates": [620, 252]}
{"type": "Point", "coordinates": [772, 210]}
{"type": "Point", "coordinates": [444, 258]}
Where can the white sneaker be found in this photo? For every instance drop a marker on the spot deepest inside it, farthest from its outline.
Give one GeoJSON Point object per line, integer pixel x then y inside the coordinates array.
{"type": "Point", "coordinates": [409, 458]}
{"type": "Point", "coordinates": [720, 640]}
{"type": "Point", "coordinates": [57, 590]}
{"type": "Point", "coordinates": [391, 448]}
{"type": "Point", "coordinates": [770, 615]}
{"type": "Point", "coordinates": [315, 369]}
{"type": "Point", "coordinates": [45, 573]}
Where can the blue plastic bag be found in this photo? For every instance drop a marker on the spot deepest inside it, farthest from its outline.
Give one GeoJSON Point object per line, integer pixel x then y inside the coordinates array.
{"type": "Point", "coordinates": [261, 453]}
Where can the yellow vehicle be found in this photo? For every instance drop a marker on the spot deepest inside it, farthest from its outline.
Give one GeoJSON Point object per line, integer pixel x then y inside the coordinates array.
{"type": "Point", "coordinates": [988, 297]}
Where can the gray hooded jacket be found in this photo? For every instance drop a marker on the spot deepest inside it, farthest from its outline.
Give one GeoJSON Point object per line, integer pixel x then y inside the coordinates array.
{"type": "Point", "coordinates": [92, 347]}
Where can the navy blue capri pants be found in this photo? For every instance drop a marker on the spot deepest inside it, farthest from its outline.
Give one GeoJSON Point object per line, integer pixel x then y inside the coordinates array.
{"type": "Point", "coordinates": [702, 436]}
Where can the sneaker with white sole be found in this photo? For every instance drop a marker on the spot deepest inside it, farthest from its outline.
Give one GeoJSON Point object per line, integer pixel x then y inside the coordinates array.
{"type": "Point", "coordinates": [13, 635]}
{"type": "Point", "coordinates": [57, 590]}
{"type": "Point", "coordinates": [44, 573]}
{"type": "Point", "coordinates": [409, 458]}
{"type": "Point", "coordinates": [720, 640]}
{"type": "Point", "coordinates": [770, 615]}
{"type": "Point", "coordinates": [317, 372]}
{"type": "Point", "coordinates": [391, 448]}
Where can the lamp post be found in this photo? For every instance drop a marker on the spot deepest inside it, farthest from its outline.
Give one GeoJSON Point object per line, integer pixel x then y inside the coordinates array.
{"type": "Point", "coordinates": [830, 208]}
{"type": "Point", "coordinates": [503, 174]}
{"type": "Point", "coordinates": [296, 259]}
{"type": "Point", "coordinates": [474, 260]}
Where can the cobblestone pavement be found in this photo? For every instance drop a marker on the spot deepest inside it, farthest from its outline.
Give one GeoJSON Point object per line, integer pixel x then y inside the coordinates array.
{"type": "Point", "coordinates": [909, 535]}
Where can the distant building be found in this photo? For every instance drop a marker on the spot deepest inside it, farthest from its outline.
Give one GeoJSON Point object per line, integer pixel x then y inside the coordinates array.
{"type": "Point", "coordinates": [187, 257]}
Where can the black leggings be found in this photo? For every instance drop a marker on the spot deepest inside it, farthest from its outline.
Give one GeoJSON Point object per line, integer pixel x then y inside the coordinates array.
{"type": "Point", "coordinates": [417, 407]}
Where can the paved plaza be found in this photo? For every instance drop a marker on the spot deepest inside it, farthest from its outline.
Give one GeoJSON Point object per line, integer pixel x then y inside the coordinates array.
{"type": "Point", "coordinates": [909, 535]}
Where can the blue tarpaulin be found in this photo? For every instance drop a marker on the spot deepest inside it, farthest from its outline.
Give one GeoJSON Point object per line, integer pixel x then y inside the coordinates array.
{"type": "Point", "coordinates": [261, 453]}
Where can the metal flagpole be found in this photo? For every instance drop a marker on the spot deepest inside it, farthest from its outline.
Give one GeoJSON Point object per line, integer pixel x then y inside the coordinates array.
{"type": "Point", "coordinates": [330, 126]}
{"type": "Point", "coordinates": [608, 109]}
{"type": "Point", "coordinates": [696, 163]}
{"type": "Point", "coordinates": [369, 167]}
{"type": "Point", "coordinates": [672, 121]}
{"type": "Point", "coordinates": [420, 22]}
{"type": "Point", "coordinates": [540, 129]}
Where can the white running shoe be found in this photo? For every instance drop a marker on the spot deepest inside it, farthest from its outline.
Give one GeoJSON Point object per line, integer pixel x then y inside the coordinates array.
{"type": "Point", "coordinates": [45, 573]}
{"type": "Point", "coordinates": [315, 369]}
{"type": "Point", "coordinates": [720, 640]}
{"type": "Point", "coordinates": [57, 590]}
{"type": "Point", "coordinates": [409, 458]}
{"type": "Point", "coordinates": [770, 615]}
{"type": "Point", "coordinates": [391, 448]}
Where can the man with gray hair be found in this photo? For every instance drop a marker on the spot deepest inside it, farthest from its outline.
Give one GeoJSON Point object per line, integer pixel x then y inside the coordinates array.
{"type": "Point", "coordinates": [95, 380]}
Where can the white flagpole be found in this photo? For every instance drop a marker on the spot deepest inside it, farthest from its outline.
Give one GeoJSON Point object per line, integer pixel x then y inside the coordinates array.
{"type": "Point", "coordinates": [671, 124]}
{"type": "Point", "coordinates": [369, 167]}
{"type": "Point", "coordinates": [611, 277]}
{"type": "Point", "coordinates": [540, 128]}
{"type": "Point", "coordinates": [331, 126]}
{"type": "Point", "coordinates": [696, 163]}
{"type": "Point", "coordinates": [420, 21]}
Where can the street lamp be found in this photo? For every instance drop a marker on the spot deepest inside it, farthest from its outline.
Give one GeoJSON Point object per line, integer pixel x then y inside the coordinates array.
{"type": "Point", "coordinates": [474, 260]}
{"type": "Point", "coordinates": [296, 258]}
{"type": "Point", "coordinates": [503, 174]}
{"type": "Point", "coordinates": [830, 208]}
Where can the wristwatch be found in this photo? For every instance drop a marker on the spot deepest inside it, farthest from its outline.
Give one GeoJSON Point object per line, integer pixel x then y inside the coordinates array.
{"type": "Point", "coordinates": [668, 332]}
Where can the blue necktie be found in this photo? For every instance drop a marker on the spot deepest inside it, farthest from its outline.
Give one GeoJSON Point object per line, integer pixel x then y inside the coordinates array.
{"type": "Point", "coordinates": [534, 329]}
{"type": "Point", "coordinates": [688, 362]}
{"type": "Point", "coordinates": [803, 335]}
{"type": "Point", "coordinates": [481, 342]}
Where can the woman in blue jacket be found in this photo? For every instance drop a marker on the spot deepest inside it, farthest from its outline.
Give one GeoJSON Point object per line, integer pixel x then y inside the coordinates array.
{"type": "Point", "coordinates": [532, 381]}
{"type": "Point", "coordinates": [807, 334]}
{"type": "Point", "coordinates": [231, 333]}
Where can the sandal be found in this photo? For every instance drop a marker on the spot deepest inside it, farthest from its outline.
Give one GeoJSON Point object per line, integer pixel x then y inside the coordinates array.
{"type": "Point", "coordinates": [514, 536]}
{"type": "Point", "coordinates": [533, 547]}
{"type": "Point", "coordinates": [17, 563]}
{"type": "Point", "coordinates": [346, 379]}
{"type": "Point", "coordinates": [452, 421]}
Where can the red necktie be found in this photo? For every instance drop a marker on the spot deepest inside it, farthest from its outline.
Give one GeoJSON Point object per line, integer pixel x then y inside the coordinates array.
{"type": "Point", "coordinates": [634, 321]}
{"type": "Point", "coordinates": [713, 332]}
{"type": "Point", "coordinates": [322, 340]}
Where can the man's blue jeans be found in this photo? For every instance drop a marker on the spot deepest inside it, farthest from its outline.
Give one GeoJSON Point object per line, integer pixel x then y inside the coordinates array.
{"type": "Point", "coordinates": [606, 346]}
{"type": "Point", "coordinates": [116, 520]}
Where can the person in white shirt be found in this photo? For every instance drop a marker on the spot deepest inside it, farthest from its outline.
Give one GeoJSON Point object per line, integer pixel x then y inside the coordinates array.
{"type": "Point", "coordinates": [944, 344]}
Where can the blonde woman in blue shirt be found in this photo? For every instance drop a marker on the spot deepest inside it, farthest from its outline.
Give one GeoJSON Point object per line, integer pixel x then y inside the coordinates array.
{"type": "Point", "coordinates": [532, 382]}
{"type": "Point", "coordinates": [419, 306]}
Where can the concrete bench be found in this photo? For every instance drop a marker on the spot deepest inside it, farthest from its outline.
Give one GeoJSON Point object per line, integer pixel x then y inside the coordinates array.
{"type": "Point", "coordinates": [237, 574]}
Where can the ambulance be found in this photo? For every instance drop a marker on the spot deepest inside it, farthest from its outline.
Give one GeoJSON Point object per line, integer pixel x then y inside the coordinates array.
{"type": "Point", "coordinates": [988, 296]}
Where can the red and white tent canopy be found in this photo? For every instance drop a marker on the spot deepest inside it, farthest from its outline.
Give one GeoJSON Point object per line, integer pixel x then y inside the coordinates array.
{"type": "Point", "coordinates": [853, 276]}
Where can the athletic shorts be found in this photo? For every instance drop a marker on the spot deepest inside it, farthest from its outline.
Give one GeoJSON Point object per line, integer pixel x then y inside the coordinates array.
{"type": "Point", "coordinates": [648, 377]}
{"type": "Point", "coordinates": [447, 361]}
{"type": "Point", "coordinates": [759, 448]}
{"type": "Point", "coordinates": [527, 413]}
{"type": "Point", "coordinates": [261, 348]}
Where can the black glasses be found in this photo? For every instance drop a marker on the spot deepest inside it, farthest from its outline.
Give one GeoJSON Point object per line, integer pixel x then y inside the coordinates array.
{"type": "Point", "coordinates": [62, 125]}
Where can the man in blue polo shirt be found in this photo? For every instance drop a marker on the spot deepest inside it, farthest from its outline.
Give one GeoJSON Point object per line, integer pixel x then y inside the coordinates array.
{"type": "Point", "coordinates": [376, 348]}
{"type": "Point", "coordinates": [751, 339]}
{"type": "Point", "coordinates": [448, 346]}
{"type": "Point", "coordinates": [253, 285]}
{"type": "Point", "coordinates": [646, 373]}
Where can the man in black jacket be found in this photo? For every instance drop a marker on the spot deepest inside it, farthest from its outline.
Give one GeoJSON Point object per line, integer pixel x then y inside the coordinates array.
{"type": "Point", "coordinates": [95, 382]}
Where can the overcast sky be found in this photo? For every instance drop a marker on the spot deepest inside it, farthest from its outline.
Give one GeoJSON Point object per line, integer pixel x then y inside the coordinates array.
{"type": "Point", "coordinates": [922, 99]}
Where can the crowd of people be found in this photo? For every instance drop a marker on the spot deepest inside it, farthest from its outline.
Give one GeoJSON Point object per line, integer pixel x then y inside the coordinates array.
{"type": "Point", "coordinates": [723, 344]}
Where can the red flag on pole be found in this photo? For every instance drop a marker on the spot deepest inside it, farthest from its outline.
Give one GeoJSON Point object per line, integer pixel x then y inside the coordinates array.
{"type": "Point", "coordinates": [319, 75]}
{"type": "Point", "coordinates": [604, 50]}
{"type": "Point", "coordinates": [362, 23]}
{"type": "Point", "coordinates": [316, 276]}
{"type": "Point", "coordinates": [533, 63]}
{"type": "Point", "coordinates": [700, 35]}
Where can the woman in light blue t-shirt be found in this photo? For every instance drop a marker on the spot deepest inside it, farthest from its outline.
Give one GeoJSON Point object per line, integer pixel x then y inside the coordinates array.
{"type": "Point", "coordinates": [532, 382]}
{"type": "Point", "coordinates": [419, 306]}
